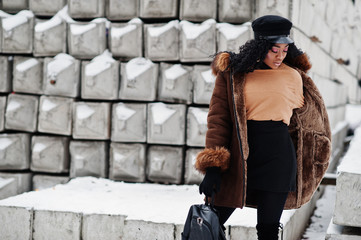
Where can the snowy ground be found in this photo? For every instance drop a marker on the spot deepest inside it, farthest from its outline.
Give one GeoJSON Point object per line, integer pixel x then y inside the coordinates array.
{"type": "Point", "coordinates": [322, 215]}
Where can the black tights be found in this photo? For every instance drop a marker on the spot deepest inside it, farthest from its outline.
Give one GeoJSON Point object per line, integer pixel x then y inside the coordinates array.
{"type": "Point", "coordinates": [269, 210]}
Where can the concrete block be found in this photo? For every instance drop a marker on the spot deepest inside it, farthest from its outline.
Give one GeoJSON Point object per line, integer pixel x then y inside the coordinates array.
{"type": "Point", "coordinates": [198, 10]}
{"type": "Point", "coordinates": [338, 232]}
{"type": "Point", "coordinates": [46, 7]}
{"type": "Point", "coordinates": [28, 75]}
{"type": "Point", "coordinates": [139, 229]}
{"type": "Point", "coordinates": [234, 11]}
{"type": "Point", "coordinates": [21, 217]}
{"type": "Point", "coordinates": [88, 158]}
{"type": "Point", "coordinates": [102, 226]}
{"type": "Point", "coordinates": [129, 122]}
{"type": "Point", "coordinates": [91, 120]}
{"type": "Point", "coordinates": [21, 112]}
{"type": "Point", "coordinates": [161, 41]}
{"type": "Point", "coordinates": [127, 162]}
{"type": "Point", "coordinates": [86, 8]}
{"type": "Point", "coordinates": [59, 225]}
{"type": "Point", "coordinates": [8, 187]}
{"type": "Point", "coordinates": [231, 37]}
{"type": "Point", "coordinates": [126, 39]}
{"type": "Point", "coordinates": [17, 32]}
{"type": "Point", "coordinates": [197, 41]}
{"type": "Point", "coordinates": [14, 5]}
{"type": "Point", "coordinates": [204, 82]}
{"type": "Point", "coordinates": [139, 79]}
{"type": "Point", "coordinates": [49, 154]}
{"type": "Point", "coordinates": [165, 164]}
{"type": "Point", "coordinates": [100, 78]}
{"type": "Point", "coordinates": [61, 76]}
{"type": "Point", "coordinates": [23, 181]}
{"type": "Point", "coordinates": [55, 115]}
{"type": "Point", "coordinates": [191, 175]}
{"type": "Point", "coordinates": [166, 123]}
{"type": "Point", "coordinates": [348, 196]}
{"type": "Point", "coordinates": [158, 9]}
{"type": "Point", "coordinates": [5, 72]}
{"type": "Point", "coordinates": [87, 40]}
{"type": "Point", "coordinates": [14, 151]}
{"type": "Point", "coordinates": [41, 182]}
{"type": "Point", "coordinates": [322, 32]}
{"type": "Point", "coordinates": [175, 83]}
{"type": "Point", "coordinates": [196, 126]}
{"type": "Point", "coordinates": [49, 36]}
{"type": "Point", "coordinates": [274, 7]}
{"type": "Point", "coordinates": [305, 16]}
{"type": "Point", "coordinates": [122, 10]}
{"type": "Point", "coordinates": [2, 112]}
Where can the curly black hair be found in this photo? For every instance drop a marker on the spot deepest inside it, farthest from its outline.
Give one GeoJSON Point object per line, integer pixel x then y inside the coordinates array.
{"type": "Point", "coordinates": [253, 52]}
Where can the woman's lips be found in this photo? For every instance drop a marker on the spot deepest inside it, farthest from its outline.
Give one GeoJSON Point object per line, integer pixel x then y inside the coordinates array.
{"type": "Point", "coordinates": [277, 64]}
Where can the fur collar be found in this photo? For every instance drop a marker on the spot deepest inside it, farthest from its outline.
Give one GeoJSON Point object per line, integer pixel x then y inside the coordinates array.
{"type": "Point", "coordinates": [221, 61]}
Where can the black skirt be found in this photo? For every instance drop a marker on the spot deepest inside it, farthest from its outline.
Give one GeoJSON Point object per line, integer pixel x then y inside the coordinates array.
{"type": "Point", "coordinates": [271, 165]}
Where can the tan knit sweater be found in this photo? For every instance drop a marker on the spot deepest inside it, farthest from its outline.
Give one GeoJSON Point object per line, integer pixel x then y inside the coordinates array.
{"type": "Point", "coordinates": [272, 94]}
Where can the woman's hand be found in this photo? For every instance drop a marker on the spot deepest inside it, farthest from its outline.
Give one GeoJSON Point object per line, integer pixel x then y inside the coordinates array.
{"type": "Point", "coordinates": [211, 181]}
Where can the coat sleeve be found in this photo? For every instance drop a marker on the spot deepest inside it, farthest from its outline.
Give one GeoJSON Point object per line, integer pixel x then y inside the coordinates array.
{"type": "Point", "coordinates": [219, 123]}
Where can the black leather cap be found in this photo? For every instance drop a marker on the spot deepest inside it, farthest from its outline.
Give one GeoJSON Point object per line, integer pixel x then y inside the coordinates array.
{"type": "Point", "coordinates": [274, 28]}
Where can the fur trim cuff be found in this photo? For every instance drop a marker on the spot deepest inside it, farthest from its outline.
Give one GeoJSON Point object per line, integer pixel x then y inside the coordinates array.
{"type": "Point", "coordinates": [209, 157]}
{"type": "Point", "coordinates": [220, 63]}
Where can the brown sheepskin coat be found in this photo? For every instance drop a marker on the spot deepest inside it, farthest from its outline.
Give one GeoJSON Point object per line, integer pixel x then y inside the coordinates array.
{"type": "Point", "coordinates": [226, 138]}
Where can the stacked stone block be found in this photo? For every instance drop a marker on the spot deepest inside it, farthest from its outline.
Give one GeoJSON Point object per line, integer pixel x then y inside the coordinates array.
{"type": "Point", "coordinates": [49, 36]}
{"type": "Point", "coordinates": [131, 80]}
{"type": "Point", "coordinates": [28, 75]}
{"type": "Point", "coordinates": [125, 40]}
{"type": "Point", "coordinates": [346, 223]}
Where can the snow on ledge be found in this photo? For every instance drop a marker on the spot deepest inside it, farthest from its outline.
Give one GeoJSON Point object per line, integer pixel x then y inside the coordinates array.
{"type": "Point", "coordinates": [137, 201]}
{"type": "Point", "coordinates": [351, 162]}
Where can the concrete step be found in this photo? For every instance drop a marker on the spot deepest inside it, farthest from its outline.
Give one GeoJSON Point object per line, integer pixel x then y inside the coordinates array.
{"type": "Point", "coordinates": [337, 232]}
{"type": "Point", "coordinates": [347, 209]}
{"type": "Point", "coordinates": [88, 207]}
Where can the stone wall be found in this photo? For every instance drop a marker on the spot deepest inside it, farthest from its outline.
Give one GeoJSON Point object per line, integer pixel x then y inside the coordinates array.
{"type": "Point", "coordinates": [120, 89]}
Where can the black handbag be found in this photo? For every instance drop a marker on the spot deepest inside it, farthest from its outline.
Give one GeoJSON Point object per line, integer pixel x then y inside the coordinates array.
{"type": "Point", "coordinates": [202, 223]}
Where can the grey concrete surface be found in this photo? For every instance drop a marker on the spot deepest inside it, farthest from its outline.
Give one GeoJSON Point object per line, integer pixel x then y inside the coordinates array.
{"type": "Point", "coordinates": [91, 120]}
{"type": "Point", "coordinates": [158, 8]}
{"type": "Point", "coordinates": [22, 112]}
{"type": "Point", "coordinates": [127, 162]}
{"type": "Point", "coordinates": [175, 83]}
{"type": "Point", "coordinates": [15, 151]}
{"type": "Point", "coordinates": [55, 115]}
{"type": "Point", "coordinates": [161, 41]}
{"type": "Point", "coordinates": [49, 154]}
{"type": "Point", "coordinates": [165, 164]}
{"type": "Point", "coordinates": [46, 7]}
{"type": "Point", "coordinates": [139, 78]}
{"type": "Point", "coordinates": [122, 10]}
{"type": "Point", "coordinates": [100, 78]}
{"type": "Point", "coordinates": [88, 158]}
{"type": "Point", "coordinates": [28, 75]}
{"type": "Point", "coordinates": [166, 123]}
{"type": "Point", "coordinates": [87, 40]}
{"type": "Point", "coordinates": [126, 39]}
{"type": "Point", "coordinates": [86, 9]}
{"type": "Point", "coordinates": [49, 36]}
{"type": "Point", "coordinates": [61, 76]}
{"type": "Point", "coordinates": [129, 122]}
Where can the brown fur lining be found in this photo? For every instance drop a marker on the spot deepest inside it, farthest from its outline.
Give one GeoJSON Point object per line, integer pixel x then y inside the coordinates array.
{"type": "Point", "coordinates": [209, 157]}
{"type": "Point", "coordinates": [302, 62]}
{"type": "Point", "coordinates": [220, 63]}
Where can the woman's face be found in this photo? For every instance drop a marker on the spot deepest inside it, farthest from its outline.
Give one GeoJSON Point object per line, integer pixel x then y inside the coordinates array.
{"type": "Point", "coordinates": [275, 55]}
